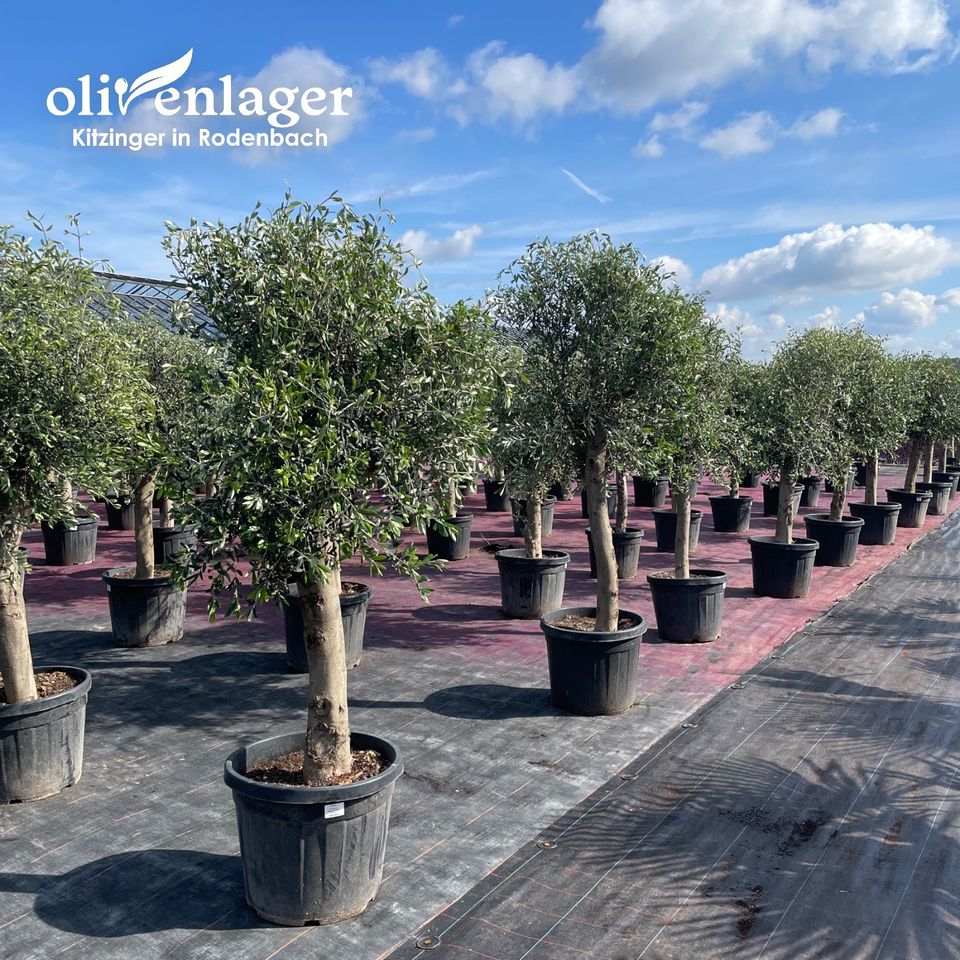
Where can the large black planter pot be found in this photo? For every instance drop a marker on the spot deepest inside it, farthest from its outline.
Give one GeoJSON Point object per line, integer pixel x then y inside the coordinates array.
{"type": "Point", "coordinates": [562, 491]}
{"type": "Point", "coordinates": [953, 474]}
{"type": "Point", "coordinates": [530, 588]}
{"type": "Point", "coordinates": [444, 547]}
{"type": "Point", "coordinates": [771, 498]}
{"type": "Point", "coordinates": [169, 541]}
{"type": "Point", "coordinates": [940, 501]}
{"type": "Point", "coordinates": [782, 569]}
{"type": "Point", "coordinates": [67, 545]}
{"type": "Point", "coordinates": [914, 506]}
{"type": "Point", "coordinates": [547, 509]}
{"type": "Point", "coordinates": [611, 502]}
{"type": "Point", "coordinates": [731, 514]}
{"type": "Point", "coordinates": [837, 538]}
{"type": "Point", "coordinates": [353, 613]}
{"type": "Point", "coordinates": [592, 673]}
{"type": "Point", "coordinates": [495, 495]}
{"type": "Point", "coordinates": [626, 548]}
{"type": "Point", "coordinates": [665, 524]}
{"type": "Point", "coordinates": [829, 487]}
{"type": "Point", "coordinates": [879, 522]}
{"type": "Point", "coordinates": [650, 493]}
{"type": "Point", "coordinates": [311, 854]}
{"type": "Point", "coordinates": [688, 611]}
{"type": "Point", "coordinates": [860, 475]}
{"type": "Point", "coordinates": [41, 741]}
{"type": "Point", "coordinates": [121, 512]}
{"type": "Point", "coordinates": [750, 478]}
{"type": "Point", "coordinates": [810, 495]}
{"type": "Point", "coordinates": [145, 612]}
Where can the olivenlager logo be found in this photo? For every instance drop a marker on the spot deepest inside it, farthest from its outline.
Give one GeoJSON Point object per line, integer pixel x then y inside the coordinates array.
{"type": "Point", "coordinates": [281, 107]}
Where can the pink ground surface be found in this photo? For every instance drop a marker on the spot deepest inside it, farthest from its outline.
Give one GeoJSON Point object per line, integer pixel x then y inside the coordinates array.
{"type": "Point", "coordinates": [463, 621]}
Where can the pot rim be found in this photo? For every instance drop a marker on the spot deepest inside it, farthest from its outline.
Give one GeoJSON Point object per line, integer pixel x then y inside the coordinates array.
{"type": "Point", "coordinates": [42, 704]}
{"type": "Point", "coordinates": [112, 576]}
{"type": "Point", "coordinates": [552, 558]}
{"type": "Point", "coordinates": [635, 632]}
{"type": "Point", "coordinates": [707, 577]}
{"type": "Point", "coordinates": [727, 498]}
{"type": "Point", "coordinates": [889, 506]}
{"type": "Point", "coordinates": [843, 521]}
{"type": "Point", "coordinates": [799, 545]}
{"type": "Point", "coordinates": [694, 511]}
{"type": "Point", "coordinates": [71, 524]}
{"type": "Point", "coordinates": [936, 484]}
{"type": "Point", "coordinates": [631, 533]}
{"type": "Point", "coordinates": [293, 592]}
{"type": "Point", "coordinates": [919, 494]}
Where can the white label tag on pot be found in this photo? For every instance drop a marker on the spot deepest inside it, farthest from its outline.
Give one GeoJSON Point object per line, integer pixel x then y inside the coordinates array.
{"type": "Point", "coordinates": [331, 810]}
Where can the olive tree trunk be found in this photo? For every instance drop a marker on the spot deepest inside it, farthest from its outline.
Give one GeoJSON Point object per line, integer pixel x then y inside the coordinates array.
{"type": "Point", "coordinates": [734, 485]}
{"type": "Point", "coordinates": [533, 528]}
{"type": "Point", "coordinates": [785, 513]}
{"type": "Point", "coordinates": [143, 524]}
{"type": "Point", "coordinates": [608, 592]}
{"type": "Point", "coordinates": [944, 452]}
{"type": "Point", "coordinates": [873, 473]}
{"type": "Point", "coordinates": [838, 500]}
{"type": "Point", "coordinates": [166, 513]}
{"type": "Point", "coordinates": [928, 462]}
{"type": "Point", "coordinates": [16, 661]}
{"type": "Point", "coordinates": [620, 523]}
{"type": "Point", "coordinates": [680, 494]}
{"type": "Point", "coordinates": [453, 488]}
{"type": "Point", "coordinates": [327, 747]}
{"type": "Point", "coordinates": [913, 465]}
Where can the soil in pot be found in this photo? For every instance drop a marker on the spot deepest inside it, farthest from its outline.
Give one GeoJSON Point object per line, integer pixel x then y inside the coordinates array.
{"type": "Point", "coordinates": [41, 741]}
{"type": "Point", "coordinates": [530, 588]}
{"type": "Point", "coordinates": [445, 547]}
{"type": "Point", "coordinates": [169, 541]}
{"type": "Point", "coordinates": [495, 495]}
{"type": "Point", "coordinates": [731, 514]}
{"type": "Point", "coordinates": [650, 493]}
{"type": "Point", "coordinates": [771, 498]}
{"type": "Point", "coordinates": [120, 512]}
{"type": "Point", "coordinates": [311, 854]}
{"type": "Point", "coordinates": [626, 548]}
{"type": "Point", "coordinates": [592, 673]}
{"type": "Point", "coordinates": [879, 522]}
{"type": "Point", "coordinates": [688, 610]}
{"type": "Point", "coordinates": [611, 501]}
{"type": "Point", "coordinates": [354, 602]}
{"type": "Point", "coordinates": [810, 493]}
{"type": "Point", "coordinates": [913, 506]}
{"type": "Point", "coordinates": [66, 545]}
{"type": "Point", "coordinates": [147, 612]}
{"type": "Point", "coordinates": [665, 522]}
{"type": "Point", "coordinates": [940, 499]}
{"type": "Point", "coordinates": [838, 539]}
{"type": "Point", "coordinates": [782, 569]}
{"type": "Point", "coordinates": [547, 510]}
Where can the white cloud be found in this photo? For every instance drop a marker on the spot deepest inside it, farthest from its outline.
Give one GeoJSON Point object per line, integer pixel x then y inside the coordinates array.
{"type": "Point", "coordinates": [680, 119]}
{"type": "Point", "coordinates": [832, 257]}
{"type": "Point", "coordinates": [736, 320]}
{"type": "Point", "coordinates": [752, 133]}
{"type": "Point", "coordinates": [908, 310]}
{"type": "Point", "coordinates": [442, 183]}
{"type": "Point", "coordinates": [650, 148]}
{"type": "Point", "coordinates": [588, 190]}
{"type": "Point", "coordinates": [453, 20]}
{"type": "Point", "coordinates": [828, 317]}
{"type": "Point", "coordinates": [459, 244]}
{"type": "Point", "coordinates": [824, 123]}
{"type": "Point", "coordinates": [417, 135]}
{"type": "Point", "coordinates": [425, 74]}
{"type": "Point", "coordinates": [682, 274]}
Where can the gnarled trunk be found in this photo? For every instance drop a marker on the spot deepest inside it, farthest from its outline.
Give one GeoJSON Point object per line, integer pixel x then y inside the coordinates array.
{"type": "Point", "coordinates": [785, 513]}
{"type": "Point", "coordinates": [327, 746]}
{"type": "Point", "coordinates": [16, 661]}
{"type": "Point", "coordinates": [838, 500]}
{"type": "Point", "coordinates": [680, 494]}
{"type": "Point", "coordinates": [608, 593]}
{"type": "Point", "coordinates": [873, 472]}
{"type": "Point", "coordinates": [928, 462]}
{"type": "Point", "coordinates": [734, 485]}
{"type": "Point", "coordinates": [166, 513]}
{"type": "Point", "coordinates": [943, 458]}
{"type": "Point", "coordinates": [913, 464]}
{"type": "Point", "coordinates": [620, 523]}
{"type": "Point", "coordinates": [143, 524]}
{"type": "Point", "coordinates": [453, 489]}
{"type": "Point", "coordinates": [533, 527]}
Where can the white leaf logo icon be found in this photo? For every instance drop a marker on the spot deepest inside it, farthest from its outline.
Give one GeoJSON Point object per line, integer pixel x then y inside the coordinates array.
{"type": "Point", "coordinates": [151, 80]}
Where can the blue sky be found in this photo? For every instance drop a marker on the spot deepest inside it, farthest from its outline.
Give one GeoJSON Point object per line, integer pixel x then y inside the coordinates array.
{"type": "Point", "coordinates": [796, 158]}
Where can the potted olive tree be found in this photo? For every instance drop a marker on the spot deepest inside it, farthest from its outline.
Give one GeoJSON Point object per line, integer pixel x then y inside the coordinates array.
{"type": "Point", "coordinates": [795, 436]}
{"type": "Point", "coordinates": [68, 399]}
{"type": "Point", "coordinates": [147, 605]}
{"type": "Point", "coordinates": [688, 603]}
{"type": "Point", "coordinates": [602, 323]}
{"type": "Point", "coordinates": [343, 395]}
{"type": "Point", "coordinates": [943, 419]}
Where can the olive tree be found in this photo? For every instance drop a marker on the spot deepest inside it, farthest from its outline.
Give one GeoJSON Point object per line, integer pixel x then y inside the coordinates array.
{"type": "Point", "coordinates": [933, 410]}
{"type": "Point", "coordinates": [342, 390]}
{"type": "Point", "coordinates": [741, 439]}
{"type": "Point", "coordinates": [601, 320]}
{"type": "Point", "coordinates": [68, 401]}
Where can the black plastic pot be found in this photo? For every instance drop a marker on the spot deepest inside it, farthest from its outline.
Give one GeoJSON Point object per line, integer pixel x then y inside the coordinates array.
{"type": "Point", "coordinates": [611, 501]}
{"type": "Point", "coordinates": [837, 538]}
{"type": "Point", "coordinates": [731, 514]}
{"type": "Point", "coordinates": [562, 491]}
{"type": "Point", "coordinates": [444, 547]}
{"type": "Point", "coordinates": [860, 475]}
{"type": "Point", "coordinates": [946, 476]}
{"type": "Point", "coordinates": [121, 512]}
{"type": "Point", "coordinates": [169, 541]}
{"type": "Point", "coordinates": [311, 854]}
{"type": "Point", "coordinates": [810, 494]}
{"type": "Point", "coordinates": [353, 613]}
{"type": "Point", "coordinates": [914, 506]}
{"type": "Point", "coordinates": [829, 487]}
{"type": "Point", "coordinates": [41, 741]}
{"type": "Point", "coordinates": [688, 611]}
{"type": "Point", "coordinates": [66, 545]}
{"type": "Point", "coordinates": [879, 522]}
{"type": "Point", "coordinates": [940, 499]}
{"type": "Point", "coordinates": [530, 588]}
{"type": "Point", "coordinates": [626, 548]}
{"type": "Point", "coordinates": [771, 498]}
{"type": "Point", "coordinates": [650, 493]}
{"type": "Point", "coordinates": [592, 673]}
{"type": "Point", "coordinates": [782, 569]}
{"type": "Point", "coordinates": [145, 612]}
{"type": "Point", "coordinates": [665, 524]}
{"type": "Point", "coordinates": [547, 508]}
{"type": "Point", "coordinates": [495, 495]}
{"type": "Point", "coordinates": [750, 478]}
{"type": "Point", "coordinates": [954, 474]}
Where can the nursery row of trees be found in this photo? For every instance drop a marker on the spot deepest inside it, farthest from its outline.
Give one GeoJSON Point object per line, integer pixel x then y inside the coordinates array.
{"type": "Point", "coordinates": [326, 401]}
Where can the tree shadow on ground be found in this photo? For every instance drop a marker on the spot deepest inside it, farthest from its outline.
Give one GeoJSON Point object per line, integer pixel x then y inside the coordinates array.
{"type": "Point", "coordinates": [476, 701]}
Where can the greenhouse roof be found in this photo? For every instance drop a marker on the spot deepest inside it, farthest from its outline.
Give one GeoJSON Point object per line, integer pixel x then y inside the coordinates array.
{"type": "Point", "coordinates": [143, 296]}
